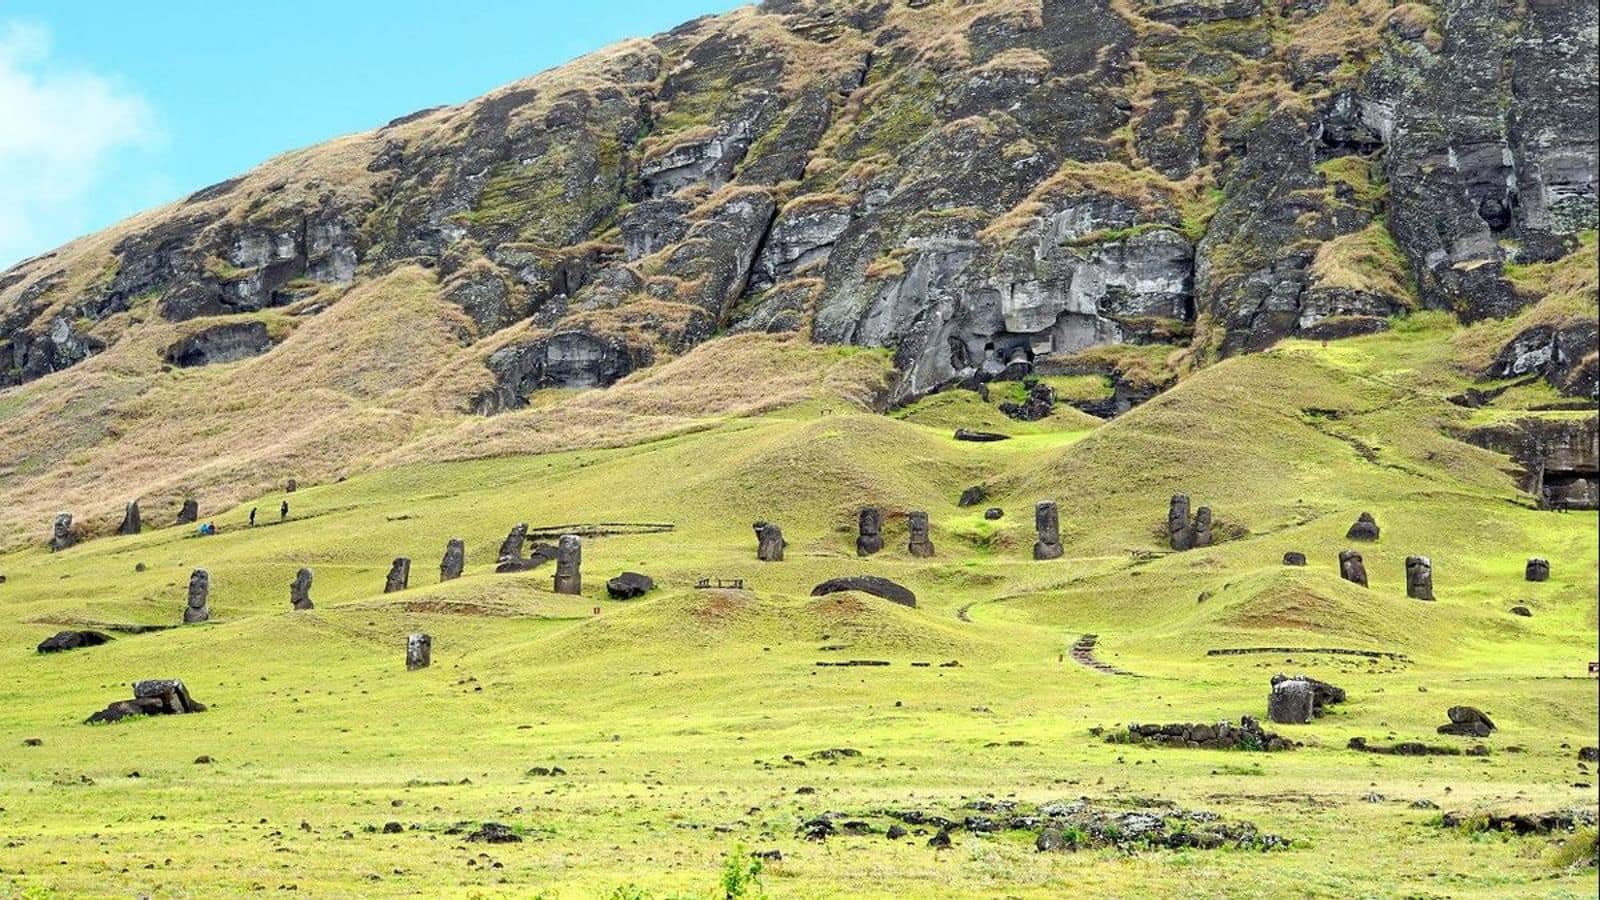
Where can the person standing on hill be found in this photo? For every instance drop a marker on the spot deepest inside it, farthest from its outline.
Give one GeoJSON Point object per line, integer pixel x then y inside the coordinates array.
{"type": "Point", "coordinates": [283, 511]}
{"type": "Point", "coordinates": [252, 517]}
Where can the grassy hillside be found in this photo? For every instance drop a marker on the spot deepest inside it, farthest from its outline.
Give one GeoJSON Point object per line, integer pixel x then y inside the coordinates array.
{"type": "Point", "coordinates": [672, 716]}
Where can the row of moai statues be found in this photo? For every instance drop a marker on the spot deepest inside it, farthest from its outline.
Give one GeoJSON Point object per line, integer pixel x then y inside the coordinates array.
{"type": "Point", "coordinates": [919, 542]}
{"type": "Point", "coordinates": [1352, 568]}
{"type": "Point", "coordinates": [1184, 533]}
{"type": "Point", "coordinates": [63, 535]}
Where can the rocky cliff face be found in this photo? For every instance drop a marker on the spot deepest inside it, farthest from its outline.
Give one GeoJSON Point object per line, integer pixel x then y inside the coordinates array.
{"type": "Point", "coordinates": [980, 186]}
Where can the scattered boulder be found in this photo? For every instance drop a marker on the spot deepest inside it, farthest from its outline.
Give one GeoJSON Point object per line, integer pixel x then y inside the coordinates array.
{"type": "Point", "coordinates": [569, 559]}
{"type": "Point", "coordinates": [1291, 703]}
{"type": "Point", "coordinates": [455, 559]}
{"type": "Point", "coordinates": [868, 584]}
{"type": "Point", "coordinates": [1247, 735]}
{"type": "Point", "coordinates": [1294, 558]}
{"type": "Point", "coordinates": [993, 513]}
{"type": "Point", "coordinates": [869, 531]}
{"type": "Point", "coordinates": [769, 542]}
{"type": "Point", "coordinates": [419, 651]}
{"type": "Point", "coordinates": [1557, 821]}
{"type": "Point", "coordinates": [1538, 569]}
{"type": "Point", "coordinates": [190, 512]}
{"type": "Point", "coordinates": [1419, 577]}
{"type": "Point", "coordinates": [156, 697]}
{"type": "Point", "coordinates": [629, 586]}
{"type": "Point", "coordinates": [399, 575]}
{"type": "Point", "coordinates": [1522, 611]}
{"type": "Point", "coordinates": [72, 640]}
{"type": "Point", "coordinates": [1039, 403]}
{"type": "Point", "coordinates": [1047, 521]}
{"type": "Point", "coordinates": [1351, 568]}
{"type": "Point", "coordinates": [1364, 529]}
{"type": "Point", "coordinates": [198, 607]}
{"type": "Point", "coordinates": [300, 590]}
{"type": "Point", "coordinates": [972, 496]}
{"type": "Point", "coordinates": [980, 437]}
{"type": "Point", "coordinates": [62, 534]}
{"type": "Point", "coordinates": [920, 544]}
{"type": "Point", "coordinates": [1467, 721]}
{"type": "Point", "coordinates": [1589, 754]}
{"type": "Point", "coordinates": [511, 547]}
{"type": "Point", "coordinates": [130, 519]}
{"type": "Point", "coordinates": [495, 833]}
{"type": "Point", "coordinates": [1050, 840]}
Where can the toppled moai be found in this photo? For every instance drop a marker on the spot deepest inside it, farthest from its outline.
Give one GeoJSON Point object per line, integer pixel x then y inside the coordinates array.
{"type": "Point", "coordinates": [919, 544]}
{"type": "Point", "coordinates": [1419, 577]}
{"type": "Point", "coordinates": [1294, 558]}
{"type": "Point", "coordinates": [190, 512]}
{"type": "Point", "coordinates": [62, 641]}
{"type": "Point", "coordinates": [569, 560]}
{"type": "Point", "coordinates": [156, 697]}
{"type": "Point", "coordinates": [1351, 568]}
{"type": "Point", "coordinates": [629, 586]}
{"type": "Point", "coordinates": [399, 575]}
{"type": "Point", "coordinates": [1467, 721]}
{"type": "Point", "coordinates": [455, 559]}
{"type": "Point", "coordinates": [972, 496]}
{"type": "Point", "coordinates": [62, 534]}
{"type": "Point", "coordinates": [300, 590]}
{"type": "Point", "coordinates": [869, 538]}
{"type": "Point", "coordinates": [1047, 521]}
{"type": "Point", "coordinates": [1364, 529]}
{"type": "Point", "coordinates": [511, 547]}
{"type": "Point", "coordinates": [769, 542]}
{"type": "Point", "coordinates": [419, 651]}
{"type": "Point", "coordinates": [1538, 569]}
{"type": "Point", "coordinates": [1180, 533]}
{"type": "Point", "coordinates": [198, 609]}
{"type": "Point", "coordinates": [130, 519]}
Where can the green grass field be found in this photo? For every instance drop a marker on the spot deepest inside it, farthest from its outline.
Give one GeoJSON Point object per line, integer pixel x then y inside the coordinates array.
{"type": "Point", "coordinates": [671, 716]}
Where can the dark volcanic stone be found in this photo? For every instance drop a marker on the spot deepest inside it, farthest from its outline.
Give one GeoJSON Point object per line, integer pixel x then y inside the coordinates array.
{"type": "Point", "coordinates": [1522, 611]}
{"type": "Point", "coordinates": [993, 513]}
{"type": "Point", "coordinates": [1364, 529]}
{"type": "Point", "coordinates": [1537, 570]}
{"type": "Point", "coordinates": [981, 437]}
{"type": "Point", "coordinates": [72, 640]}
{"type": "Point", "coordinates": [1468, 721]}
{"type": "Point", "coordinates": [868, 584]}
{"type": "Point", "coordinates": [629, 586]}
{"type": "Point", "coordinates": [972, 496]}
{"type": "Point", "coordinates": [1294, 558]}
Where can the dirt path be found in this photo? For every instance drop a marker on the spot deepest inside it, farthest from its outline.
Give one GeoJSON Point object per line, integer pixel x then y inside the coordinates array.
{"type": "Point", "coordinates": [1083, 654]}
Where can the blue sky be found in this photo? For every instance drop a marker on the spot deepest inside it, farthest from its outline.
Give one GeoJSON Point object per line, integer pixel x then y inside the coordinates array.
{"type": "Point", "coordinates": [108, 107]}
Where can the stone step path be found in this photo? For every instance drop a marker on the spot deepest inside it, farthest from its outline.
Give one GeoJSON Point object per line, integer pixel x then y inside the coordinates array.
{"type": "Point", "coordinates": [1083, 654]}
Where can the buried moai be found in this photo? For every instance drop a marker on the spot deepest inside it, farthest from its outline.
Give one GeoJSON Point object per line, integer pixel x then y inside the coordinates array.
{"type": "Point", "coordinates": [419, 651]}
{"type": "Point", "coordinates": [769, 542]}
{"type": "Point", "coordinates": [569, 559]}
{"type": "Point", "coordinates": [300, 590]}
{"type": "Point", "coordinates": [190, 512]}
{"type": "Point", "coordinates": [1419, 577]}
{"type": "Point", "coordinates": [1202, 527]}
{"type": "Point", "coordinates": [399, 575]}
{"type": "Point", "coordinates": [511, 547]}
{"type": "Point", "coordinates": [455, 559]}
{"type": "Point", "coordinates": [199, 606]}
{"type": "Point", "coordinates": [1364, 529]}
{"type": "Point", "coordinates": [130, 519]}
{"type": "Point", "coordinates": [1351, 568]}
{"type": "Point", "coordinates": [1047, 521]}
{"type": "Point", "coordinates": [1538, 569]}
{"type": "Point", "coordinates": [1294, 558]}
{"type": "Point", "coordinates": [62, 535]}
{"type": "Point", "coordinates": [1180, 534]}
{"type": "Point", "coordinates": [919, 543]}
{"type": "Point", "coordinates": [869, 528]}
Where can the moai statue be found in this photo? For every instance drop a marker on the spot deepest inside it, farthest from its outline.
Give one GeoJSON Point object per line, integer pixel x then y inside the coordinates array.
{"type": "Point", "coordinates": [569, 557]}
{"type": "Point", "coordinates": [1538, 569]}
{"type": "Point", "coordinates": [1294, 558]}
{"type": "Point", "coordinates": [61, 534]}
{"type": "Point", "coordinates": [419, 651]}
{"type": "Point", "coordinates": [199, 608]}
{"type": "Point", "coordinates": [130, 519]}
{"type": "Point", "coordinates": [870, 539]}
{"type": "Point", "coordinates": [1364, 529]}
{"type": "Point", "coordinates": [1292, 702]}
{"type": "Point", "coordinates": [399, 575]}
{"type": "Point", "coordinates": [1180, 534]}
{"type": "Point", "coordinates": [920, 543]}
{"type": "Point", "coordinates": [769, 542]}
{"type": "Point", "coordinates": [300, 590]}
{"type": "Point", "coordinates": [455, 559]}
{"type": "Point", "coordinates": [190, 512]}
{"type": "Point", "coordinates": [291, 486]}
{"type": "Point", "coordinates": [1351, 568]}
{"type": "Point", "coordinates": [1048, 523]}
{"type": "Point", "coordinates": [1202, 527]}
{"type": "Point", "coordinates": [1419, 577]}
{"type": "Point", "coordinates": [511, 547]}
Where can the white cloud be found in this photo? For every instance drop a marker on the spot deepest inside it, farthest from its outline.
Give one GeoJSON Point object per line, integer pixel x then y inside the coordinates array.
{"type": "Point", "coordinates": [63, 130]}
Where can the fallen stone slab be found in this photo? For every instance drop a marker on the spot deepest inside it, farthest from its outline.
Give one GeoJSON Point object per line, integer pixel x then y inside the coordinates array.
{"type": "Point", "coordinates": [72, 640]}
{"type": "Point", "coordinates": [868, 584]}
{"type": "Point", "coordinates": [980, 437]}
